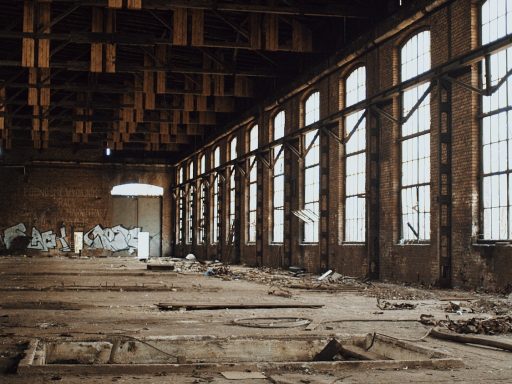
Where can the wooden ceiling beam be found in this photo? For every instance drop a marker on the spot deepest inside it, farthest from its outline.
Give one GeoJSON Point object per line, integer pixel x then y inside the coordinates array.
{"type": "Point", "coordinates": [348, 9]}
{"type": "Point", "coordinates": [83, 66]}
{"type": "Point", "coordinates": [129, 39]}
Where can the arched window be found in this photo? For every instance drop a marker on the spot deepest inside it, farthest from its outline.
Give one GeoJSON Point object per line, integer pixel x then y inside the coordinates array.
{"type": "Point", "coordinates": [311, 171]}
{"type": "Point", "coordinates": [253, 186]}
{"type": "Point", "coordinates": [232, 188]}
{"type": "Point", "coordinates": [415, 139]}
{"type": "Point", "coordinates": [190, 204]}
{"type": "Point", "coordinates": [496, 18]}
{"type": "Point", "coordinates": [180, 206]}
{"type": "Point", "coordinates": [355, 159]}
{"type": "Point", "coordinates": [215, 197]}
{"type": "Point", "coordinates": [278, 181]}
{"type": "Point", "coordinates": [203, 189]}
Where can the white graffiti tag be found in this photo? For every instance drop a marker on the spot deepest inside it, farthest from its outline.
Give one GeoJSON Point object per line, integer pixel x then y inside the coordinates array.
{"type": "Point", "coordinates": [112, 239]}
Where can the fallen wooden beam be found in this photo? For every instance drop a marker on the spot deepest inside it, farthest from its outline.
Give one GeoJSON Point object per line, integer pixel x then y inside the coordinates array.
{"type": "Point", "coordinates": [358, 353]}
{"type": "Point", "coordinates": [444, 335]}
{"type": "Point", "coordinates": [213, 307]}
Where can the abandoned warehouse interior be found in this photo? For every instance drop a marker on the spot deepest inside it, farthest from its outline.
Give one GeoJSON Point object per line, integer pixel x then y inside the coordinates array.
{"type": "Point", "coordinates": [292, 161]}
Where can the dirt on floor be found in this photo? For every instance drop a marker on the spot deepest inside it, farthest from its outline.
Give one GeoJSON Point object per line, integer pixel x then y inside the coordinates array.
{"type": "Point", "coordinates": [59, 298]}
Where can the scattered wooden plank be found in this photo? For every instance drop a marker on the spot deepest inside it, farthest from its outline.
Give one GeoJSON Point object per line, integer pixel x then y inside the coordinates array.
{"type": "Point", "coordinates": [213, 307]}
{"type": "Point", "coordinates": [160, 267]}
{"type": "Point", "coordinates": [466, 339]}
{"type": "Point", "coordinates": [354, 352]}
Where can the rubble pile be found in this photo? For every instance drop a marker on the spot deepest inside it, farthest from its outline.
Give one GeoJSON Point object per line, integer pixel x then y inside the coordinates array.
{"type": "Point", "coordinates": [491, 326]}
{"type": "Point", "coordinates": [497, 307]}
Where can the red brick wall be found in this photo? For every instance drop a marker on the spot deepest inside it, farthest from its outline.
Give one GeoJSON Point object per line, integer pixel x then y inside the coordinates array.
{"type": "Point", "coordinates": [49, 196]}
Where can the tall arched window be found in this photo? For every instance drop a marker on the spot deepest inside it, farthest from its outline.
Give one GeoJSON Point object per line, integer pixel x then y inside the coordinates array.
{"type": "Point", "coordinates": [190, 204]}
{"type": "Point", "coordinates": [180, 206]}
{"type": "Point", "coordinates": [215, 197]}
{"type": "Point", "coordinates": [201, 233]}
{"type": "Point", "coordinates": [496, 17]}
{"type": "Point", "coordinates": [232, 189]}
{"type": "Point", "coordinates": [311, 170]}
{"type": "Point", "coordinates": [355, 159]}
{"type": "Point", "coordinates": [415, 139]}
{"type": "Point", "coordinates": [278, 181]}
{"type": "Point", "coordinates": [252, 195]}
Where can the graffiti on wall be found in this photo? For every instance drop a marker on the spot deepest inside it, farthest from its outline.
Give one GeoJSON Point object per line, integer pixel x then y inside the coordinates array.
{"type": "Point", "coordinates": [112, 239]}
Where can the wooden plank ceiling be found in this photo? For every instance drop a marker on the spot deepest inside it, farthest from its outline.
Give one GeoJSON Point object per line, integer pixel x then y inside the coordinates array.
{"type": "Point", "coordinates": [155, 77]}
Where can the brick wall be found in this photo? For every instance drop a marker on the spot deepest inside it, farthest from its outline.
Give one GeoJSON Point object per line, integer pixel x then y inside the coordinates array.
{"type": "Point", "coordinates": [48, 197]}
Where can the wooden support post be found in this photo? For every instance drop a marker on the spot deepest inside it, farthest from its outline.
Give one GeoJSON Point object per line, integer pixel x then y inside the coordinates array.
{"type": "Point", "coordinates": [149, 84]}
{"type": "Point", "coordinates": [134, 4]}
{"type": "Point", "coordinates": [161, 78]}
{"type": "Point", "coordinates": [43, 59]}
{"type": "Point", "coordinates": [97, 48]}
{"type": "Point", "coordinates": [201, 103]}
{"type": "Point", "coordinates": [243, 86]}
{"type": "Point", "coordinates": [255, 31]}
{"type": "Point", "coordinates": [3, 99]}
{"type": "Point", "coordinates": [301, 37]}
{"type": "Point", "coordinates": [33, 94]}
{"type": "Point", "coordinates": [115, 3]}
{"type": "Point", "coordinates": [110, 49]}
{"type": "Point", "coordinates": [44, 92]}
{"type": "Point", "coordinates": [218, 85]}
{"type": "Point", "coordinates": [28, 44]}
{"type": "Point", "coordinates": [180, 29]}
{"type": "Point", "coordinates": [197, 27]}
{"type": "Point", "coordinates": [271, 32]}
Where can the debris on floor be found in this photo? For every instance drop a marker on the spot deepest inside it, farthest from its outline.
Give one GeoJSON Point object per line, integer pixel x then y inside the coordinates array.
{"type": "Point", "coordinates": [388, 306]}
{"type": "Point", "coordinates": [447, 335]}
{"type": "Point", "coordinates": [280, 292]}
{"type": "Point", "coordinates": [211, 307]}
{"type": "Point", "coordinates": [491, 326]}
{"type": "Point", "coordinates": [272, 322]}
{"type": "Point", "coordinates": [160, 267]}
{"type": "Point", "coordinates": [498, 307]}
{"type": "Point", "coordinates": [455, 307]}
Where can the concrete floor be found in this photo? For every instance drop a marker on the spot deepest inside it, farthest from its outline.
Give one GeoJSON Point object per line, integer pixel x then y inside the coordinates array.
{"type": "Point", "coordinates": [28, 284]}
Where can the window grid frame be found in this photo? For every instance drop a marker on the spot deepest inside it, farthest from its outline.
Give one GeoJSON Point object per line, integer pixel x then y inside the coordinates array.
{"type": "Point", "coordinates": [488, 114]}
{"type": "Point", "coordinates": [277, 233]}
{"type": "Point", "coordinates": [311, 230]}
{"type": "Point", "coordinates": [252, 186]}
{"type": "Point", "coordinates": [361, 129]}
{"type": "Point", "coordinates": [420, 212]}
